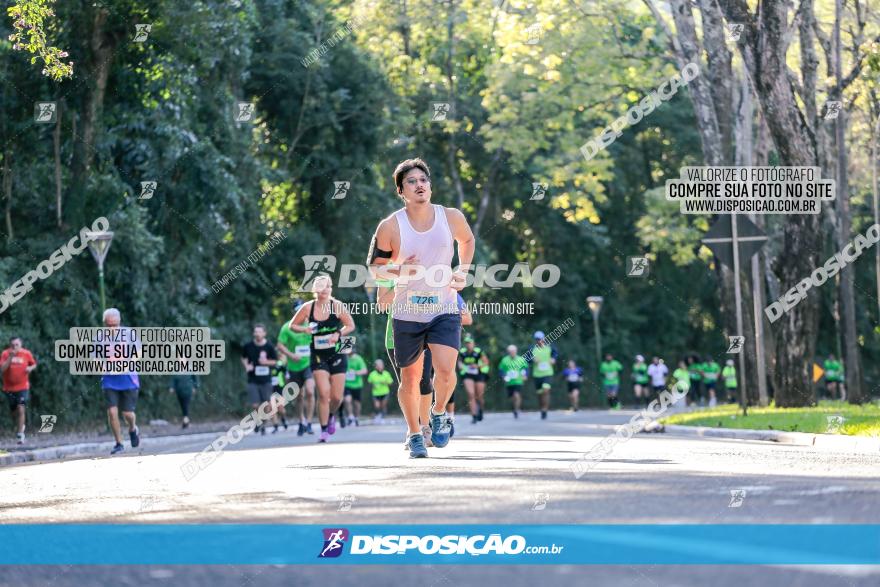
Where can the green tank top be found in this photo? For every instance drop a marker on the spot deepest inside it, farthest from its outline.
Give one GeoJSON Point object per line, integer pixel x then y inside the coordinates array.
{"type": "Point", "coordinates": [389, 333]}
{"type": "Point", "coordinates": [541, 365]}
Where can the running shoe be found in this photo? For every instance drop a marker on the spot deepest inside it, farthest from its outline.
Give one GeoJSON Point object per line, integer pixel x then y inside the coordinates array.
{"type": "Point", "coordinates": [331, 425]}
{"type": "Point", "coordinates": [515, 414]}
{"type": "Point", "coordinates": [439, 429]}
{"type": "Point", "coordinates": [275, 429]}
{"type": "Point", "coordinates": [185, 422]}
{"type": "Point", "coordinates": [416, 444]}
{"type": "Point", "coordinates": [543, 415]}
{"type": "Point", "coordinates": [135, 437]}
{"type": "Point", "coordinates": [324, 437]}
{"type": "Point", "coordinates": [20, 437]}
{"type": "Point", "coordinates": [301, 430]}
{"type": "Point", "coordinates": [350, 420]}
{"type": "Point", "coordinates": [451, 427]}
{"type": "Point", "coordinates": [284, 423]}
{"type": "Point", "coordinates": [475, 419]}
{"type": "Point", "coordinates": [480, 414]}
{"type": "Point", "coordinates": [117, 448]}
{"type": "Point", "coordinates": [356, 423]}
{"type": "Point", "coordinates": [263, 430]}
{"type": "Point", "coordinates": [309, 428]}
{"type": "Point", "coordinates": [426, 433]}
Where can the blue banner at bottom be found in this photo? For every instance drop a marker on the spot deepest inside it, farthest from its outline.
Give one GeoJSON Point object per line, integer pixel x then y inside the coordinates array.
{"type": "Point", "coordinates": [485, 544]}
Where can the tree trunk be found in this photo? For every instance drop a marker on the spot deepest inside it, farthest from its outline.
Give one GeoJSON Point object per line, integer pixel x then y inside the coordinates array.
{"type": "Point", "coordinates": [701, 94]}
{"type": "Point", "coordinates": [761, 47]}
{"type": "Point", "coordinates": [56, 144]}
{"type": "Point", "coordinates": [486, 192]}
{"type": "Point", "coordinates": [7, 191]}
{"type": "Point", "coordinates": [451, 145]}
{"type": "Point", "coordinates": [852, 362]}
{"type": "Point", "coordinates": [102, 45]}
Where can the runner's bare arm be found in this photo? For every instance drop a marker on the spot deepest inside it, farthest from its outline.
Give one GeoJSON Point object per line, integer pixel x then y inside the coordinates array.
{"type": "Point", "coordinates": [461, 232]}
{"type": "Point", "coordinates": [5, 365]}
{"type": "Point", "coordinates": [382, 247]}
{"type": "Point", "coordinates": [466, 318]}
{"type": "Point", "coordinates": [299, 321]}
{"type": "Point", "coordinates": [384, 297]}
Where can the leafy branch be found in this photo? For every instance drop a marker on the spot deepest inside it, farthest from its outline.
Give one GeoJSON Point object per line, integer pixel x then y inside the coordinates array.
{"type": "Point", "coordinates": [28, 20]}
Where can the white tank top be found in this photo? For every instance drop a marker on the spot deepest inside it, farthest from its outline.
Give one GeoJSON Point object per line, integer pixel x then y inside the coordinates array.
{"type": "Point", "coordinates": [423, 299]}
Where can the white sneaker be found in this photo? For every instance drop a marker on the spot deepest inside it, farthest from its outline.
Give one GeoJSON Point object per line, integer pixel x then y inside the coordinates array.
{"type": "Point", "coordinates": [20, 437]}
{"type": "Point", "coordinates": [426, 433]}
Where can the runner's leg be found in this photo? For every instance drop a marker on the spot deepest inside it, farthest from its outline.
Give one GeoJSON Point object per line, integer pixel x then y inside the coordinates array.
{"type": "Point", "coordinates": [409, 394]}
{"type": "Point", "coordinates": [113, 419]}
{"type": "Point", "coordinates": [322, 380]}
{"type": "Point", "coordinates": [337, 389]}
{"type": "Point", "coordinates": [480, 391]}
{"type": "Point", "coordinates": [471, 394]}
{"type": "Point", "coordinates": [20, 412]}
{"type": "Point", "coordinates": [443, 359]}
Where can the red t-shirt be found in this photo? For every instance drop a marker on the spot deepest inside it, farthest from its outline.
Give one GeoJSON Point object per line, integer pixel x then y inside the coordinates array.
{"type": "Point", "coordinates": [15, 378]}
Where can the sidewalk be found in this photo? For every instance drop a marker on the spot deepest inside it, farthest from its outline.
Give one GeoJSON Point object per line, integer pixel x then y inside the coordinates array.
{"type": "Point", "coordinates": [49, 446]}
{"type": "Point", "coordinates": [836, 442]}
{"type": "Point", "coordinates": [52, 446]}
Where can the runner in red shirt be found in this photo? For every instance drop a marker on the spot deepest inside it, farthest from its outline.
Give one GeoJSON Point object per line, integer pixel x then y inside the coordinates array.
{"type": "Point", "coordinates": [16, 363]}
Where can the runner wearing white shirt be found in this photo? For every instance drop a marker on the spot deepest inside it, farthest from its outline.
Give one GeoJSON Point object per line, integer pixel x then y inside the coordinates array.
{"type": "Point", "coordinates": [658, 372]}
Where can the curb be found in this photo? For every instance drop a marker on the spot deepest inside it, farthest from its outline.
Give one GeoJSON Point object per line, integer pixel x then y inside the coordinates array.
{"type": "Point", "coordinates": [94, 448]}
{"type": "Point", "coordinates": [103, 448]}
{"type": "Point", "coordinates": [854, 444]}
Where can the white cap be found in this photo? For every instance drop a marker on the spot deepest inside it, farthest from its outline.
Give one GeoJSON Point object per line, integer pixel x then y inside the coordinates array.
{"type": "Point", "coordinates": [539, 334]}
{"type": "Point", "coordinates": [640, 358]}
{"type": "Point", "coordinates": [511, 347]}
{"type": "Point", "coordinates": [730, 362]}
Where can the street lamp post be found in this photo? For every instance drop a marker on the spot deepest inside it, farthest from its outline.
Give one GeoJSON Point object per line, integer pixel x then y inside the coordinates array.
{"type": "Point", "coordinates": [99, 244]}
{"type": "Point", "coordinates": [595, 305]}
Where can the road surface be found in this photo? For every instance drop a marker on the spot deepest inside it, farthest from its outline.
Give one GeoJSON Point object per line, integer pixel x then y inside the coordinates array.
{"type": "Point", "coordinates": [499, 471]}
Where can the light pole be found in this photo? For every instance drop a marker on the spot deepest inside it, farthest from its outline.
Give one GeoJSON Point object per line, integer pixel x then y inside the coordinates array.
{"type": "Point", "coordinates": [595, 305]}
{"type": "Point", "coordinates": [99, 244]}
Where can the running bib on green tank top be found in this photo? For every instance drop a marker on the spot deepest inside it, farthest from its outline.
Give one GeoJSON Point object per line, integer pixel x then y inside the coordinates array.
{"type": "Point", "coordinates": [421, 298]}
{"type": "Point", "coordinates": [543, 366]}
{"type": "Point", "coordinates": [261, 370]}
{"type": "Point", "coordinates": [349, 375]}
{"type": "Point", "coordinates": [303, 350]}
{"type": "Point", "coordinates": [509, 376]}
{"type": "Point", "coordinates": [323, 342]}
{"type": "Point", "coordinates": [472, 370]}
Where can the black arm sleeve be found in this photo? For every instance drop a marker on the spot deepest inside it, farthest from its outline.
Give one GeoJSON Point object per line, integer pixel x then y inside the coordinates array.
{"type": "Point", "coordinates": [376, 252]}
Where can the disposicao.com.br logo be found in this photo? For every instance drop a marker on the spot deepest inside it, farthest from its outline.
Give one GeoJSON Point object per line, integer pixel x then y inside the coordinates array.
{"type": "Point", "coordinates": [430, 544]}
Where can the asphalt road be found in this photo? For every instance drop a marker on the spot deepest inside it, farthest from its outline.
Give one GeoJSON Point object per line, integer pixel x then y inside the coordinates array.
{"type": "Point", "coordinates": [499, 471]}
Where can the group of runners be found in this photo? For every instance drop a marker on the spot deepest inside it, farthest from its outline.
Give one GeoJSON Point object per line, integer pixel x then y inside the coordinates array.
{"type": "Point", "coordinates": [426, 350]}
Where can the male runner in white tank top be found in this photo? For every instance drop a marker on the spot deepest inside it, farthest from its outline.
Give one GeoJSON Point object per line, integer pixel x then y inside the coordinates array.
{"type": "Point", "coordinates": [418, 239]}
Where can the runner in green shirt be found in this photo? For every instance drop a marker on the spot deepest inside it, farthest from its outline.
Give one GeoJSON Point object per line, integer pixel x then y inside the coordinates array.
{"type": "Point", "coordinates": [278, 378]}
{"type": "Point", "coordinates": [695, 372]}
{"type": "Point", "coordinates": [682, 377]}
{"type": "Point", "coordinates": [380, 380]}
{"type": "Point", "coordinates": [610, 370]}
{"type": "Point", "coordinates": [640, 380]}
{"type": "Point", "coordinates": [354, 383]}
{"type": "Point", "coordinates": [512, 369]}
{"type": "Point", "coordinates": [542, 356]}
{"type": "Point", "coordinates": [833, 377]}
{"type": "Point", "coordinates": [296, 346]}
{"type": "Point", "coordinates": [711, 370]}
{"type": "Point", "coordinates": [729, 376]}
